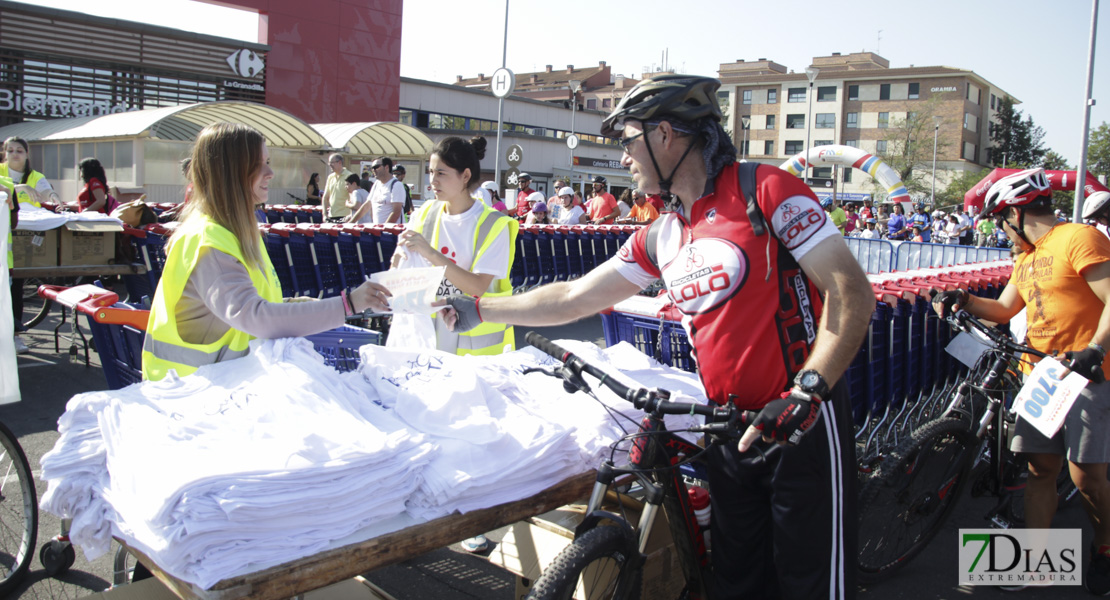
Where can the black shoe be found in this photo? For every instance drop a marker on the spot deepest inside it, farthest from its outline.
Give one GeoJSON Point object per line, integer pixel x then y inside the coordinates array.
{"type": "Point", "coordinates": [1097, 577]}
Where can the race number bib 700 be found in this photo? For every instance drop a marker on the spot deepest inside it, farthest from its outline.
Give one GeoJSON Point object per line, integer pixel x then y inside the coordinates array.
{"type": "Point", "coordinates": [1047, 396]}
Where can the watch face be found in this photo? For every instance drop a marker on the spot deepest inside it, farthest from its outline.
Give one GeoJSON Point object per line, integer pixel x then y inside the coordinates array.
{"type": "Point", "coordinates": [811, 380]}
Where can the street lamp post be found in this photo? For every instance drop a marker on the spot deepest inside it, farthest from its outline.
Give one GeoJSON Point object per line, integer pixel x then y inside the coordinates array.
{"type": "Point", "coordinates": [575, 85]}
{"type": "Point", "coordinates": [811, 74]}
{"type": "Point", "coordinates": [745, 121]}
{"type": "Point", "coordinates": [933, 191]}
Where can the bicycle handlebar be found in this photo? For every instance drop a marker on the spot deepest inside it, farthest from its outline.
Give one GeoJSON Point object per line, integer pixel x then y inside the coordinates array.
{"type": "Point", "coordinates": [654, 401]}
{"type": "Point", "coordinates": [966, 321]}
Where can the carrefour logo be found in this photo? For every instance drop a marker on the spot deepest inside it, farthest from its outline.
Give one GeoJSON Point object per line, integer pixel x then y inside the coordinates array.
{"type": "Point", "coordinates": [245, 63]}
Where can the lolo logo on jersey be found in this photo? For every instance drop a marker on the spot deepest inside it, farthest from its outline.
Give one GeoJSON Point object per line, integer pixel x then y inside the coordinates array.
{"type": "Point", "coordinates": [704, 274]}
{"type": "Point", "coordinates": [796, 219]}
{"type": "Point", "coordinates": [1020, 557]}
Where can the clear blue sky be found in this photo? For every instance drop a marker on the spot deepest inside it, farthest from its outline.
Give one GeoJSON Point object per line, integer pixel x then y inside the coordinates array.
{"type": "Point", "coordinates": [1035, 50]}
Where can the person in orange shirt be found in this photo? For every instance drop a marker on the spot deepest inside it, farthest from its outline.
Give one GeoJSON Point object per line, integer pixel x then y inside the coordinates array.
{"type": "Point", "coordinates": [602, 207]}
{"type": "Point", "coordinates": [642, 212]}
{"type": "Point", "coordinates": [1063, 278]}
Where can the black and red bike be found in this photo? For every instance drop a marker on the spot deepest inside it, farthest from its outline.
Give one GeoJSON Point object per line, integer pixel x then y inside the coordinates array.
{"type": "Point", "coordinates": [607, 556]}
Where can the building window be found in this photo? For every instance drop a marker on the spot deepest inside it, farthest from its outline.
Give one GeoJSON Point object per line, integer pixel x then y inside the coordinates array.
{"type": "Point", "coordinates": [911, 116]}
{"type": "Point", "coordinates": [969, 151]}
{"type": "Point", "coordinates": [769, 147]}
{"type": "Point", "coordinates": [793, 147]}
{"type": "Point", "coordinates": [851, 144]}
{"type": "Point", "coordinates": [884, 91]}
{"type": "Point", "coordinates": [606, 103]}
{"type": "Point", "coordinates": [826, 93]}
{"type": "Point", "coordinates": [971, 122]}
{"type": "Point", "coordinates": [915, 91]}
{"type": "Point", "coordinates": [770, 121]}
{"type": "Point", "coordinates": [993, 99]}
{"type": "Point", "coordinates": [880, 146]}
{"type": "Point", "coordinates": [824, 121]}
{"type": "Point", "coordinates": [795, 121]}
{"type": "Point", "coordinates": [747, 96]}
{"type": "Point", "coordinates": [822, 143]}
{"type": "Point", "coordinates": [772, 96]}
{"type": "Point", "coordinates": [851, 120]}
{"type": "Point", "coordinates": [853, 92]}
{"type": "Point", "coordinates": [822, 173]}
{"type": "Point", "coordinates": [591, 103]}
{"type": "Point", "coordinates": [846, 175]}
{"type": "Point", "coordinates": [884, 120]}
{"type": "Point", "coordinates": [796, 95]}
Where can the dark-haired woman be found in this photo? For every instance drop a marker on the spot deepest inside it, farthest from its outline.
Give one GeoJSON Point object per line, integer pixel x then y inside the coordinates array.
{"type": "Point", "coordinates": [219, 290]}
{"type": "Point", "coordinates": [31, 187]}
{"type": "Point", "coordinates": [473, 241]}
{"type": "Point", "coordinates": [94, 196]}
{"type": "Point", "coordinates": [312, 190]}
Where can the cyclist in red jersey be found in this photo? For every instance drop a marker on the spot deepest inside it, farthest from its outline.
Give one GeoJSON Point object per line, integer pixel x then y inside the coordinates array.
{"type": "Point", "coordinates": [775, 306]}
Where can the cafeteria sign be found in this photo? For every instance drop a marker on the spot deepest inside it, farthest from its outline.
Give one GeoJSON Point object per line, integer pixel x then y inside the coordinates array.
{"type": "Point", "coordinates": [603, 163]}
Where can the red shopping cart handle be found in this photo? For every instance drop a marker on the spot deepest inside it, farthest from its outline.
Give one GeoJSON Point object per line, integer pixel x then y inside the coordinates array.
{"type": "Point", "coordinates": [97, 303]}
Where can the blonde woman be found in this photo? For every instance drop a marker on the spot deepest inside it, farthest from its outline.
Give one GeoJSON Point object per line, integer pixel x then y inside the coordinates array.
{"type": "Point", "coordinates": [219, 290]}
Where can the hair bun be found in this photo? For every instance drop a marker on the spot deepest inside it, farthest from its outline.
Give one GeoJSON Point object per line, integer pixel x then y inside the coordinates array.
{"type": "Point", "coordinates": [479, 144]}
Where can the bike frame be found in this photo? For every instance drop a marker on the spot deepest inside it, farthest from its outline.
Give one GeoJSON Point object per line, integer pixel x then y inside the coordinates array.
{"type": "Point", "coordinates": [653, 458]}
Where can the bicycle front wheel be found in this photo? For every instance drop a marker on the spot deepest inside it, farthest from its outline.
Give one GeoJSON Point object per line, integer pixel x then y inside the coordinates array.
{"type": "Point", "coordinates": [19, 513]}
{"type": "Point", "coordinates": [905, 504]}
{"type": "Point", "coordinates": [592, 567]}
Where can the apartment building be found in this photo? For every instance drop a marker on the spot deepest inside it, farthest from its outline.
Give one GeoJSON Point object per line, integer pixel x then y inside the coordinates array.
{"type": "Point", "coordinates": [856, 99]}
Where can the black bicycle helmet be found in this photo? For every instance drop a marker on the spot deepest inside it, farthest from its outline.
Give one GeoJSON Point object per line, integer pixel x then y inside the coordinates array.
{"type": "Point", "coordinates": [599, 179]}
{"type": "Point", "coordinates": [684, 97]}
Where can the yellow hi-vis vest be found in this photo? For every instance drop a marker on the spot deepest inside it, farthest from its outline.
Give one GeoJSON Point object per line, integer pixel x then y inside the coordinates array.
{"type": "Point", "coordinates": [32, 180]}
{"type": "Point", "coordinates": [163, 348]}
{"type": "Point", "coordinates": [6, 187]}
{"type": "Point", "coordinates": [487, 338]}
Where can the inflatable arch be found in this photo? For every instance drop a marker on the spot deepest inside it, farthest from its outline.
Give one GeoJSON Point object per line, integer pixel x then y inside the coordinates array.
{"type": "Point", "coordinates": [849, 157]}
{"type": "Point", "coordinates": [1059, 180]}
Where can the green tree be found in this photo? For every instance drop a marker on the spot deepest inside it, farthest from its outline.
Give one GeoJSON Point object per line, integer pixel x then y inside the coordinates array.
{"type": "Point", "coordinates": [953, 194]}
{"type": "Point", "coordinates": [1018, 142]}
{"type": "Point", "coordinates": [909, 148]}
{"type": "Point", "coordinates": [1098, 151]}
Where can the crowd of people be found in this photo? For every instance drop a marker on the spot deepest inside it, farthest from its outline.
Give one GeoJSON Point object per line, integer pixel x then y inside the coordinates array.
{"type": "Point", "coordinates": [890, 222]}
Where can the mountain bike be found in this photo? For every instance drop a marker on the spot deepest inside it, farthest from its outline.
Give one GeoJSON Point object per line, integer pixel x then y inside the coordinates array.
{"type": "Point", "coordinates": [19, 512]}
{"type": "Point", "coordinates": [919, 483]}
{"type": "Point", "coordinates": [606, 558]}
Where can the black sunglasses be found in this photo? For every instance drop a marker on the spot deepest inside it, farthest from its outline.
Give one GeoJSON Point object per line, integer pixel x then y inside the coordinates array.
{"type": "Point", "coordinates": [376, 166]}
{"type": "Point", "coordinates": [625, 142]}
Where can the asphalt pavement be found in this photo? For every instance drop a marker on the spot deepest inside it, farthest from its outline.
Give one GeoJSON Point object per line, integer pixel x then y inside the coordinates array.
{"type": "Point", "coordinates": [48, 379]}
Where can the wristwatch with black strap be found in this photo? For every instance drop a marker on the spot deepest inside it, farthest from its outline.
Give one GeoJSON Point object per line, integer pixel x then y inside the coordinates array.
{"type": "Point", "coordinates": [811, 382]}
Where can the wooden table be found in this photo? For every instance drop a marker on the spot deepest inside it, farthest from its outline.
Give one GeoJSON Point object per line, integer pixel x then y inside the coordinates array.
{"type": "Point", "coordinates": [332, 566]}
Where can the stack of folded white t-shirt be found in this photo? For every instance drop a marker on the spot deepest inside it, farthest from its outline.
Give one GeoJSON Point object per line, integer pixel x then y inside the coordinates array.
{"type": "Point", "coordinates": [247, 465]}
{"type": "Point", "coordinates": [263, 460]}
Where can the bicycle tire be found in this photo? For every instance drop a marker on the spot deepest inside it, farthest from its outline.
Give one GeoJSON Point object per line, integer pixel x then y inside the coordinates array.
{"type": "Point", "coordinates": [600, 554]}
{"type": "Point", "coordinates": [19, 513]}
{"type": "Point", "coordinates": [911, 496]}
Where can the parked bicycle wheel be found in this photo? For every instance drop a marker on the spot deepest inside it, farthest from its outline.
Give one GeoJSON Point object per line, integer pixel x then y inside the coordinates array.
{"type": "Point", "coordinates": [911, 495]}
{"type": "Point", "coordinates": [595, 563]}
{"type": "Point", "coordinates": [19, 513]}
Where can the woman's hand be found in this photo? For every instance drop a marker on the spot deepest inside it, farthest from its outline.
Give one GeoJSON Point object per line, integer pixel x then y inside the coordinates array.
{"type": "Point", "coordinates": [416, 243]}
{"type": "Point", "coordinates": [372, 296]}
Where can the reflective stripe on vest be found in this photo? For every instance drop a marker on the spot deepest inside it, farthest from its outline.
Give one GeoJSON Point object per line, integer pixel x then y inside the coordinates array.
{"type": "Point", "coordinates": [487, 338]}
{"type": "Point", "coordinates": [163, 348]}
{"type": "Point", "coordinates": [32, 180]}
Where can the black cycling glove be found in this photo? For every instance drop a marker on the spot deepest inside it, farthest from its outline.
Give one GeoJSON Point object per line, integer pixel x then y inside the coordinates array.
{"type": "Point", "coordinates": [466, 308]}
{"type": "Point", "coordinates": [1088, 363]}
{"type": "Point", "coordinates": [950, 301]}
{"type": "Point", "coordinates": [789, 417]}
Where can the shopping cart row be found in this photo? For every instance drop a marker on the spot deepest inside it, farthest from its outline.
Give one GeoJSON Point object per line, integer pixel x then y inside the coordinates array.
{"type": "Point", "coordinates": [901, 371]}
{"type": "Point", "coordinates": [320, 259]}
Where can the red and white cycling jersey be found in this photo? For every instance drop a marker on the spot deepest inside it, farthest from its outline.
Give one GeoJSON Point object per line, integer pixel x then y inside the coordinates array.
{"type": "Point", "coordinates": [750, 311]}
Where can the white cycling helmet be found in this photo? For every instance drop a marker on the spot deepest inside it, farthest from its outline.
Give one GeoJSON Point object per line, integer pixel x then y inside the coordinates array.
{"type": "Point", "coordinates": [566, 191]}
{"type": "Point", "coordinates": [490, 185]}
{"type": "Point", "coordinates": [536, 197]}
{"type": "Point", "coordinates": [1018, 189]}
{"type": "Point", "coordinates": [1095, 203]}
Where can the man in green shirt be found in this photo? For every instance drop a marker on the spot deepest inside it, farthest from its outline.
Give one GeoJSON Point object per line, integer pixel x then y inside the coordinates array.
{"type": "Point", "coordinates": [335, 192]}
{"type": "Point", "coordinates": [836, 214]}
{"type": "Point", "coordinates": [986, 232]}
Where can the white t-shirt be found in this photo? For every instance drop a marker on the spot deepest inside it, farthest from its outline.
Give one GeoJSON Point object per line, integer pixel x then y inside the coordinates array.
{"type": "Point", "coordinates": [360, 195]}
{"type": "Point", "coordinates": [624, 208]}
{"type": "Point", "coordinates": [455, 238]}
{"type": "Point", "coordinates": [571, 216]}
{"type": "Point", "coordinates": [383, 196]}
